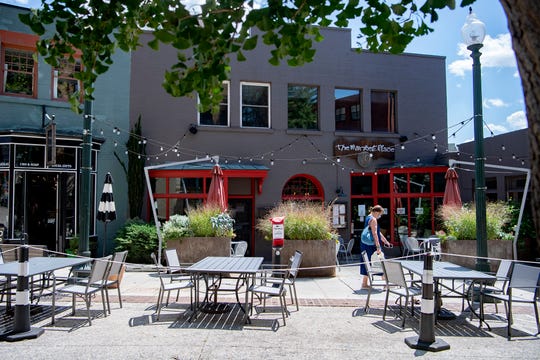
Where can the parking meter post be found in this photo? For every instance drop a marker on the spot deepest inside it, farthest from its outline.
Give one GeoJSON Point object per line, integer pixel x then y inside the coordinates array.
{"type": "Point", "coordinates": [426, 340]}
{"type": "Point", "coordinates": [21, 326]}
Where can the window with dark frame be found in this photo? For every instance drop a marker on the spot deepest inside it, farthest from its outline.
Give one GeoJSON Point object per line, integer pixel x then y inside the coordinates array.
{"type": "Point", "coordinates": [255, 99]}
{"type": "Point", "coordinates": [220, 118]}
{"type": "Point", "coordinates": [383, 111]}
{"type": "Point", "coordinates": [303, 107]}
{"type": "Point", "coordinates": [348, 108]}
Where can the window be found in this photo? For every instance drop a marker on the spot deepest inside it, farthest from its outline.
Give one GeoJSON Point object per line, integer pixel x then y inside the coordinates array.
{"type": "Point", "coordinates": [255, 100]}
{"type": "Point", "coordinates": [302, 187]}
{"type": "Point", "coordinates": [383, 111]}
{"type": "Point", "coordinates": [303, 107]}
{"type": "Point", "coordinates": [18, 72]}
{"type": "Point", "coordinates": [222, 117]}
{"type": "Point", "coordinates": [64, 82]}
{"type": "Point", "coordinates": [348, 103]}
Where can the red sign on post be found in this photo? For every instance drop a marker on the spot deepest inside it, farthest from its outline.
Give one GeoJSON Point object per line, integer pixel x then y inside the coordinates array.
{"type": "Point", "coordinates": [278, 231]}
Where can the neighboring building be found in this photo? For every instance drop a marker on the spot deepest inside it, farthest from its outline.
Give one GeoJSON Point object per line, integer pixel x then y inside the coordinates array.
{"type": "Point", "coordinates": [502, 152]}
{"type": "Point", "coordinates": [356, 128]}
{"type": "Point", "coordinates": [40, 187]}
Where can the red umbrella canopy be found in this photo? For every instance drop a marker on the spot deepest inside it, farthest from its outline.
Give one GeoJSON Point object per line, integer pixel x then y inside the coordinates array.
{"type": "Point", "coordinates": [216, 193]}
{"type": "Point", "coordinates": [451, 191]}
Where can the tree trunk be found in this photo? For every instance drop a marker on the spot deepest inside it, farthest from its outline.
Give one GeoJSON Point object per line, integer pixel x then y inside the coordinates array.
{"type": "Point", "coordinates": [524, 25]}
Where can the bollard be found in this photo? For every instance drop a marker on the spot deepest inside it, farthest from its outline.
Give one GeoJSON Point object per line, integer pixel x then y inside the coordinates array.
{"type": "Point", "coordinates": [426, 340]}
{"type": "Point", "coordinates": [21, 327]}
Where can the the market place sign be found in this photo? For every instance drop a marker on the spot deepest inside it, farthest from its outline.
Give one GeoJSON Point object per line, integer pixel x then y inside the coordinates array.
{"type": "Point", "coordinates": [378, 148]}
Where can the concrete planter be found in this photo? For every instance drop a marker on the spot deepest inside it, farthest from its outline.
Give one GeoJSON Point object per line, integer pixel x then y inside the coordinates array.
{"type": "Point", "coordinates": [500, 249]}
{"type": "Point", "coordinates": [315, 253]}
{"type": "Point", "coordinates": [193, 249]}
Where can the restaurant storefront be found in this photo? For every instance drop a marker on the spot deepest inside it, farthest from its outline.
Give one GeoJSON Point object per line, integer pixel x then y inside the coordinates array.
{"type": "Point", "coordinates": [410, 197]}
{"type": "Point", "coordinates": [39, 192]}
{"type": "Point", "coordinates": [178, 188]}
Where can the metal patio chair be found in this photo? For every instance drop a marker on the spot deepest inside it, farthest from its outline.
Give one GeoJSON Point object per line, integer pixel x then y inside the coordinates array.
{"type": "Point", "coordinates": [522, 288]}
{"type": "Point", "coordinates": [397, 285]}
{"type": "Point", "coordinates": [375, 278]}
{"type": "Point", "coordinates": [167, 287]}
{"type": "Point", "coordinates": [95, 283]}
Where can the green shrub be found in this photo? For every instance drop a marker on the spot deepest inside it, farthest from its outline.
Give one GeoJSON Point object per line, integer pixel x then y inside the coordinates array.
{"type": "Point", "coordinates": [210, 221]}
{"type": "Point", "coordinates": [204, 221]}
{"type": "Point", "coordinates": [177, 226]}
{"type": "Point", "coordinates": [139, 239]}
{"type": "Point", "coordinates": [460, 222]}
{"type": "Point", "coordinates": [304, 220]}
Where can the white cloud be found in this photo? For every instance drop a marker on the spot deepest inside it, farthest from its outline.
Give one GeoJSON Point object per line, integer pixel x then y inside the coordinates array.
{"type": "Point", "coordinates": [517, 120]}
{"type": "Point", "coordinates": [22, 2]}
{"type": "Point", "coordinates": [496, 52]}
{"type": "Point", "coordinates": [488, 103]}
{"type": "Point", "coordinates": [497, 129]}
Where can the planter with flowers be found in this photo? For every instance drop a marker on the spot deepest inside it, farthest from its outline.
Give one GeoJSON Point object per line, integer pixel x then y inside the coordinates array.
{"type": "Point", "coordinates": [308, 228]}
{"type": "Point", "coordinates": [459, 235]}
{"type": "Point", "coordinates": [205, 231]}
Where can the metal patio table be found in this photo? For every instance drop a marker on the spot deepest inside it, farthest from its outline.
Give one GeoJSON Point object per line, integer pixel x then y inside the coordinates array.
{"type": "Point", "coordinates": [243, 268]}
{"type": "Point", "coordinates": [40, 266]}
{"type": "Point", "coordinates": [443, 270]}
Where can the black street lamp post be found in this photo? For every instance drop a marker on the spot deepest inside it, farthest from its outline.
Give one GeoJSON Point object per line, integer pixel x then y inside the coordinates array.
{"type": "Point", "coordinates": [473, 33]}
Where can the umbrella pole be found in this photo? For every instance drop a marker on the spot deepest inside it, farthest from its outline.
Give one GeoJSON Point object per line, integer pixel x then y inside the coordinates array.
{"type": "Point", "coordinates": [104, 241]}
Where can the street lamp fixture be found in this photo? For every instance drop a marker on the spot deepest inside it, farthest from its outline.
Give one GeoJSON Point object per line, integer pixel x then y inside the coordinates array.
{"type": "Point", "coordinates": [474, 32]}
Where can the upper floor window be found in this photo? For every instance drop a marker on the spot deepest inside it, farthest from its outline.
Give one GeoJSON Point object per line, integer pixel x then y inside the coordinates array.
{"type": "Point", "coordinates": [383, 111]}
{"type": "Point", "coordinates": [18, 72]}
{"type": "Point", "coordinates": [255, 100]}
{"type": "Point", "coordinates": [348, 105]}
{"type": "Point", "coordinates": [303, 107]}
{"type": "Point", "coordinates": [221, 118]}
{"type": "Point", "coordinates": [64, 82]}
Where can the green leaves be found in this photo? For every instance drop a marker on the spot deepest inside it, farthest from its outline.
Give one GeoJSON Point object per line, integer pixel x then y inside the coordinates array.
{"type": "Point", "coordinates": [207, 35]}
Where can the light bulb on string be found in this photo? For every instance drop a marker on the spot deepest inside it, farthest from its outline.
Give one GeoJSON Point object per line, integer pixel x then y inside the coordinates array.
{"type": "Point", "coordinates": [417, 159]}
{"type": "Point", "coordinates": [370, 155]}
{"type": "Point", "coordinates": [161, 148]}
{"type": "Point", "coordinates": [338, 159]}
{"type": "Point", "coordinates": [272, 162]}
{"type": "Point", "coordinates": [115, 144]}
{"type": "Point", "coordinates": [503, 147]}
{"type": "Point", "coordinates": [101, 131]}
{"type": "Point", "coordinates": [304, 162]}
{"type": "Point", "coordinates": [126, 152]}
{"type": "Point", "coordinates": [433, 137]}
{"type": "Point", "coordinates": [402, 147]}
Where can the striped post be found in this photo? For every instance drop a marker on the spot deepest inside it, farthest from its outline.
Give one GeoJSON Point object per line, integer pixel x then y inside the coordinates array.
{"type": "Point", "coordinates": [426, 340]}
{"type": "Point", "coordinates": [21, 327]}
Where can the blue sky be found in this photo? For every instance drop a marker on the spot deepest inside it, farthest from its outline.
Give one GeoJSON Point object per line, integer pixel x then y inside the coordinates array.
{"type": "Point", "coordinates": [504, 108]}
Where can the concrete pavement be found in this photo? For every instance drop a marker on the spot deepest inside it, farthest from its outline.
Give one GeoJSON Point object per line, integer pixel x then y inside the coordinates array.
{"type": "Point", "coordinates": [330, 324]}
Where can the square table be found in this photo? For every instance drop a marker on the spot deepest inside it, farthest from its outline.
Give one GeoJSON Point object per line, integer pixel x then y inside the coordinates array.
{"type": "Point", "coordinates": [244, 267]}
{"type": "Point", "coordinates": [38, 266]}
{"type": "Point", "coordinates": [443, 270]}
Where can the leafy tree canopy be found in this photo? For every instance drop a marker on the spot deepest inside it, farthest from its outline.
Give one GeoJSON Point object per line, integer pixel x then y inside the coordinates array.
{"type": "Point", "coordinates": [206, 35]}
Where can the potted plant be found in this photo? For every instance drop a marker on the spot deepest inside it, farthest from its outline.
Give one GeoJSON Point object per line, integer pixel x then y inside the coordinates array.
{"type": "Point", "coordinates": [204, 231]}
{"type": "Point", "coordinates": [308, 228]}
{"type": "Point", "coordinates": [459, 235]}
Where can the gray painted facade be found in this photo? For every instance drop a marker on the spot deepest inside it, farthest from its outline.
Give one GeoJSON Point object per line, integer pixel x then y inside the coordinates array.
{"type": "Point", "coordinates": [24, 116]}
{"type": "Point", "coordinates": [507, 150]}
{"type": "Point", "coordinates": [417, 80]}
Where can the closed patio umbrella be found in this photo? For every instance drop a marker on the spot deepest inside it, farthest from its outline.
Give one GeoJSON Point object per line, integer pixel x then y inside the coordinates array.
{"type": "Point", "coordinates": [106, 210]}
{"type": "Point", "coordinates": [216, 193]}
{"type": "Point", "coordinates": [451, 191]}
